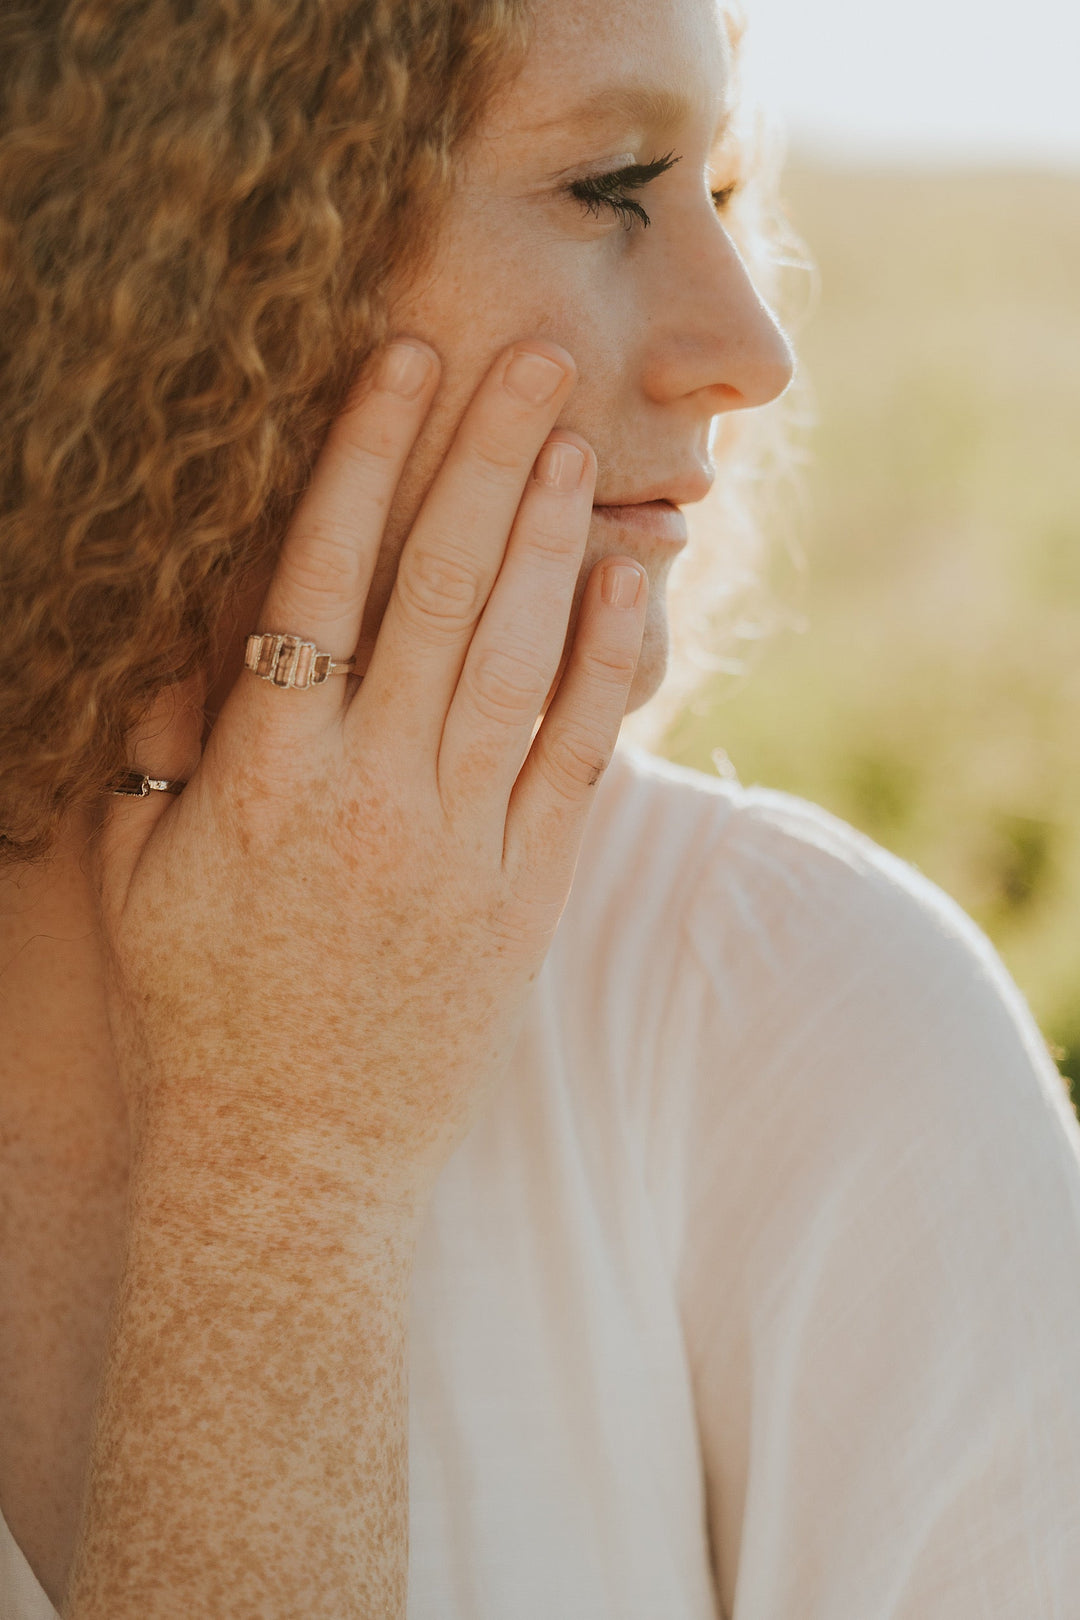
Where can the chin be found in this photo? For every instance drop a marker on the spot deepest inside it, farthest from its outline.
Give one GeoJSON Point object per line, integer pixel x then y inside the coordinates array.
{"type": "Point", "coordinates": [651, 665]}
{"type": "Point", "coordinates": [652, 661]}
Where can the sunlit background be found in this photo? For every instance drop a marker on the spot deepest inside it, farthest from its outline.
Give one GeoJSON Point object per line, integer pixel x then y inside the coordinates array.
{"type": "Point", "coordinates": [928, 690]}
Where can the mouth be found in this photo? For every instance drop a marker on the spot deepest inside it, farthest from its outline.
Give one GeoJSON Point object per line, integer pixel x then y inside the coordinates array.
{"type": "Point", "coordinates": [656, 520]}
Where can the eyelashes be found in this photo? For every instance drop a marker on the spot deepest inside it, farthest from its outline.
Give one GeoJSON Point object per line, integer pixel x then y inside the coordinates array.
{"type": "Point", "coordinates": [600, 191]}
{"type": "Point", "coordinates": [608, 191]}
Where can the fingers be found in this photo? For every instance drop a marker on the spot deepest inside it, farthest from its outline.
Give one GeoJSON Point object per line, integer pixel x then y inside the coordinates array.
{"type": "Point", "coordinates": [456, 547]}
{"type": "Point", "coordinates": [328, 556]}
{"type": "Point", "coordinates": [573, 747]}
{"type": "Point", "coordinates": [518, 644]}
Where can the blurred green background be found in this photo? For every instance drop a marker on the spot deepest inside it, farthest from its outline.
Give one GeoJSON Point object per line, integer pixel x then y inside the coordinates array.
{"type": "Point", "coordinates": [933, 698]}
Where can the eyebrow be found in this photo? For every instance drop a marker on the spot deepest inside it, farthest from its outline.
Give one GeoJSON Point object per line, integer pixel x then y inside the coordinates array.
{"type": "Point", "coordinates": [631, 103]}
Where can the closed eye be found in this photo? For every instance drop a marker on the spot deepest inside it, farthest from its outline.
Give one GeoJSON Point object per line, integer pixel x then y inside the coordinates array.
{"type": "Point", "coordinates": [600, 191]}
{"type": "Point", "coordinates": [608, 191]}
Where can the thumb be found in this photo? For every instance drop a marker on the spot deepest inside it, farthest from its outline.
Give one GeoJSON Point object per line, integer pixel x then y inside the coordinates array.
{"type": "Point", "coordinates": [166, 744]}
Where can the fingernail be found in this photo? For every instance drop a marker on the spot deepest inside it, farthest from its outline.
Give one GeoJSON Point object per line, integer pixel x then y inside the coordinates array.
{"type": "Point", "coordinates": [560, 465]}
{"type": "Point", "coordinates": [405, 369]}
{"type": "Point", "coordinates": [621, 585]}
{"type": "Point", "coordinates": [533, 378]}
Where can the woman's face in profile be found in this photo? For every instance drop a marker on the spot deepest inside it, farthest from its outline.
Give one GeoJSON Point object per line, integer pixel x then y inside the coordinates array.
{"type": "Point", "coordinates": [663, 323]}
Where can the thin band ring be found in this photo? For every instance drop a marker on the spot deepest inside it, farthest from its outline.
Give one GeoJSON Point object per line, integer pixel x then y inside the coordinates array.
{"type": "Point", "coordinates": [134, 785]}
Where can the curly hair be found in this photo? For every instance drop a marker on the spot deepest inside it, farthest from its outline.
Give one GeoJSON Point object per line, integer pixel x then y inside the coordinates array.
{"type": "Point", "coordinates": [203, 207]}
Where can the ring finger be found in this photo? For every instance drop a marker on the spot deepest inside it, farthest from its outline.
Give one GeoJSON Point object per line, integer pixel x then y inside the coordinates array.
{"type": "Point", "coordinates": [327, 560]}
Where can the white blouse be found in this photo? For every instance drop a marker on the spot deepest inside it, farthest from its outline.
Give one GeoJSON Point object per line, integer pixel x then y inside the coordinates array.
{"type": "Point", "coordinates": [755, 1292]}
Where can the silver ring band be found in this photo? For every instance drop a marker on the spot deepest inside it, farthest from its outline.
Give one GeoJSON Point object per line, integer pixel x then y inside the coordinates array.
{"type": "Point", "coordinates": [134, 785]}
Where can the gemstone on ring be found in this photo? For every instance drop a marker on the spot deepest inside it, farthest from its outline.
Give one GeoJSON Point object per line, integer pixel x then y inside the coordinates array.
{"type": "Point", "coordinates": [286, 657]}
{"type": "Point", "coordinates": [132, 784]}
{"type": "Point", "coordinates": [287, 660]}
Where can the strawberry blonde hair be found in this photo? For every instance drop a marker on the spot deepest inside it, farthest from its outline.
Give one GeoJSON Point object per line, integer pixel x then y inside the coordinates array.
{"type": "Point", "coordinates": [203, 206]}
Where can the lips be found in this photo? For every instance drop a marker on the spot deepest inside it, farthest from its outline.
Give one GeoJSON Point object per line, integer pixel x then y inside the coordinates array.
{"type": "Point", "coordinates": [657, 520]}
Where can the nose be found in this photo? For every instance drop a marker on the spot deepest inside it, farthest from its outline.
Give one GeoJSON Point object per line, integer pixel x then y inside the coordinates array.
{"type": "Point", "coordinates": [715, 338]}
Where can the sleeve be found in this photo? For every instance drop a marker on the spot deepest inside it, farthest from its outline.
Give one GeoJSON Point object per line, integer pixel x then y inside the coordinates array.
{"type": "Point", "coordinates": [878, 1260]}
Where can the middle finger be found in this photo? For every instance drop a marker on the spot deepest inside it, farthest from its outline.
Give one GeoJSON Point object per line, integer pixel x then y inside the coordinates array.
{"type": "Point", "coordinates": [456, 547]}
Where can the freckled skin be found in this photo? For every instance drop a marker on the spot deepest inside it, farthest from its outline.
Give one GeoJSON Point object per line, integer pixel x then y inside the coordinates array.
{"type": "Point", "coordinates": [291, 1349]}
{"type": "Point", "coordinates": [261, 1065]}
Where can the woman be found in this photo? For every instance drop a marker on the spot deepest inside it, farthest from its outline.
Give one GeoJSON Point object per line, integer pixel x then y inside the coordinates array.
{"type": "Point", "coordinates": [445, 1153]}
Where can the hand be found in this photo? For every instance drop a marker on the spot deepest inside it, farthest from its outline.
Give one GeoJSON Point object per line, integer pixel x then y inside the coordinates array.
{"type": "Point", "coordinates": [336, 925]}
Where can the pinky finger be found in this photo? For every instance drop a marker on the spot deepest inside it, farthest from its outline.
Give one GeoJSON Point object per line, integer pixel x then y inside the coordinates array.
{"type": "Point", "coordinates": [550, 803]}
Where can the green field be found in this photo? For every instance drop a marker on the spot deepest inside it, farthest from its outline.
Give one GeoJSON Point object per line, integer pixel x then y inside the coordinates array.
{"type": "Point", "coordinates": [933, 697]}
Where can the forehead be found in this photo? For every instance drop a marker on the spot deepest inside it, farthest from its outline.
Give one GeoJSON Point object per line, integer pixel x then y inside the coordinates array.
{"type": "Point", "coordinates": [623, 63]}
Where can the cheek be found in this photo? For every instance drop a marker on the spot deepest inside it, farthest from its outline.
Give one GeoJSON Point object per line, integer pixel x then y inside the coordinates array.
{"type": "Point", "coordinates": [474, 296]}
{"type": "Point", "coordinates": [491, 288]}
{"type": "Point", "coordinates": [504, 274]}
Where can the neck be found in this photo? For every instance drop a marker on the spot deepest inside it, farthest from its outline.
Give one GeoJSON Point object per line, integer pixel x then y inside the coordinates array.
{"type": "Point", "coordinates": [58, 1077]}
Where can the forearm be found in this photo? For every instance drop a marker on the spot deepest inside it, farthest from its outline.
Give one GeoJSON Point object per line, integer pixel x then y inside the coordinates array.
{"type": "Point", "coordinates": [250, 1456]}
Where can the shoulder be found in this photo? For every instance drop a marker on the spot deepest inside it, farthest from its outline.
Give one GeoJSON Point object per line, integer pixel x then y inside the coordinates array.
{"type": "Point", "coordinates": [784, 925]}
{"type": "Point", "coordinates": [865, 1174]}
{"type": "Point", "coordinates": [773, 871]}
{"type": "Point", "coordinates": [783, 850]}
{"type": "Point", "coordinates": [770, 866]}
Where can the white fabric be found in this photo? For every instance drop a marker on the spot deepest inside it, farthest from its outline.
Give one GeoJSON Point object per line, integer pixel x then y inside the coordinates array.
{"type": "Point", "coordinates": [21, 1598]}
{"type": "Point", "coordinates": [755, 1293]}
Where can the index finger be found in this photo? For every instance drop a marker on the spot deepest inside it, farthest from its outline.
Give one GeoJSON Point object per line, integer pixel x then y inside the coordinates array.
{"type": "Point", "coordinates": [327, 559]}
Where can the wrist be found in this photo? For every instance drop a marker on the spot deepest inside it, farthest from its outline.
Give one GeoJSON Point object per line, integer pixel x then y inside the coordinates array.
{"type": "Point", "coordinates": [240, 1173]}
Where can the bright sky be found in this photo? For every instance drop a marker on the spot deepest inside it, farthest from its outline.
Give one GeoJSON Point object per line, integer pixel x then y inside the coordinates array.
{"type": "Point", "coordinates": [922, 80]}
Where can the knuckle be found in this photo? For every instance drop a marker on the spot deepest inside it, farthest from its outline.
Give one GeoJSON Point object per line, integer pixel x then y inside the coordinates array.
{"type": "Point", "coordinates": [576, 760]}
{"type": "Point", "coordinates": [326, 562]}
{"type": "Point", "coordinates": [358, 469]}
{"type": "Point", "coordinates": [506, 686]}
{"type": "Point", "coordinates": [368, 475]}
{"type": "Point", "coordinates": [610, 665]}
{"type": "Point", "coordinates": [559, 546]}
{"type": "Point", "coordinates": [368, 440]}
{"type": "Point", "coordinates": [494, 458]}
{"type": "Point", "coordinates": [437, 587]}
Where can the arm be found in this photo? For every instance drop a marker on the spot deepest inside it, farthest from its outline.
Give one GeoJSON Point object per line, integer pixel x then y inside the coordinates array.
{"type": "Point", "coordinates": [334, 929]}
{"type": "Point", "coordinates": [250, 1454]}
